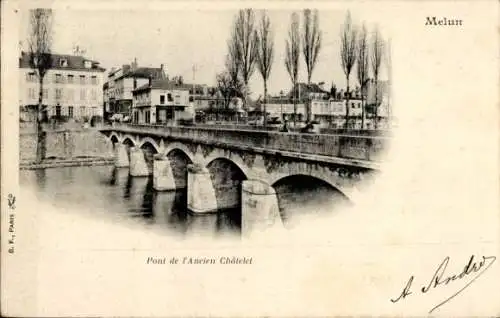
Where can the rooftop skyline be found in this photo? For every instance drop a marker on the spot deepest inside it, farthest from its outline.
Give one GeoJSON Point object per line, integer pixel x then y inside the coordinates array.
{"type": "Point", "coordinates": [182, 39]}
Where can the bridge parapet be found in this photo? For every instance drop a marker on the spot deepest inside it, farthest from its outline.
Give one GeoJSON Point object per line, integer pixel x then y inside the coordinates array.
{"type": "Point", "coordinates": [367, 148]}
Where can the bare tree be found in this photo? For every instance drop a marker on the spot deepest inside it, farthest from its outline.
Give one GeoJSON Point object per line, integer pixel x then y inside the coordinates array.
{"type": "Point", "coordinates": [292, 58]}
{"type": "Point", "coordinates": [233, 59]}
{"type": "Point", "coordinates": [348, 56]}
{"type": "Point", "coordinates": [265, 54]}
{"type": "Point", "coordinates": [246, 45]}
{"type": "Point", "coordinates": [362, 69]}
{"type": "Point", "coordinates": [224, 87]}
{"type": "Point", "coordinates": [377, 53]}
{"type": "Point", "coordinates": [388, 62]}
{"type": "Point", "coordinates": [40, 58]}
{"type": "Point", "coordinates": [311, 39]}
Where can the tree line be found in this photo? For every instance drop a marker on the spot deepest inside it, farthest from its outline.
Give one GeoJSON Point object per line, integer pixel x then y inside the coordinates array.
{"type": "Point", "coordinates": [251, 45]}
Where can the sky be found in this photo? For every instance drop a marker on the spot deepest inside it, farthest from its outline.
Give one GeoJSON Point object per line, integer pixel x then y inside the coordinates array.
{"type": "Point", "coordinates": [180, 39]}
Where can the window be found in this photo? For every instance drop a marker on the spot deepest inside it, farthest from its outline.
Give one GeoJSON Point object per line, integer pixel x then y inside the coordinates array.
{"type": "Point", "coordinates": [70, 111]}
{"type": "Point", "coordinates": [45, 93]}
{"type": "Point", "coordinates": [31, 93]}
{"type": "Point", "coordinates": [70, 94]}
{"type": "Point", "coordinates": [63, 62]}
{"type": "Point", "coordinates": [58, 111]}
{"type": "Point", "coordinates": [191, 98]}
{"type": "Point", "coordinates": [162, 99]}
{"type": "Point", "coordinates": [82, 79]}
{"type": "Point", "coordinates": [82, 94]}
{"type": "Point", "coordinates": [58, 93]}
{"type": "Point", "coordinates": [169, 97]}
{"type": "Point", "coordinates": [30, 77]}
{"type": "Point", "coordinates": [58, 78]}
{"type": "Point", "coordinates": [147, 115]}
{"type": "Point", "coordinates": [82, 111]}
{"type": "Point", "coordinates": [71, 79]}
{"type": "Point", "coordinates": [93, 94]}
{"type": "Point", "coordinates": [93, 80]}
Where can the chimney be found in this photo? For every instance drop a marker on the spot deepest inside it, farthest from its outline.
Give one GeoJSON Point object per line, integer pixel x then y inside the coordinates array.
{"type": "Point", "coordinates": [134, 64]}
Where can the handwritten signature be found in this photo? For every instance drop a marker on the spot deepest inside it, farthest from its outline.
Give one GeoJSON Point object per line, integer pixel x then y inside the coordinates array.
{"type": "Point", "coordinates": [474, 267]}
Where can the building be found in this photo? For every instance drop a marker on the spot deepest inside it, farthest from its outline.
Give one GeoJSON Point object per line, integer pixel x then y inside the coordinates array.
{"type": "Point", "coordinates": [304, 92]}
{"type": "Point", "coordinates": [72, 88]}
{"type": "Point", "coordinates": [162, 101]}
{"type": "Point", "coordinates": [204, 96]}
{"type": "Point", "coordinates": [329, 108]}
{"type": "Point", "coordinates": [121, 82]}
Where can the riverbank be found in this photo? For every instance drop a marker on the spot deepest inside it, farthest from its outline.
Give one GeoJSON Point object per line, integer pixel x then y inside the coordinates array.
{"type": "Point", "coordinates": [61, 162]}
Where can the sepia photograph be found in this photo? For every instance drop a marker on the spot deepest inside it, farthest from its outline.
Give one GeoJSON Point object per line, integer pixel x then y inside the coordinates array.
{"type": "Point", "coordinates": [249, 159]}
{"type": "Point", "coordinates": [286, 115]}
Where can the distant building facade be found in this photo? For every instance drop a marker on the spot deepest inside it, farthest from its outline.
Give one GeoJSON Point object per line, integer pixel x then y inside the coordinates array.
{"type": "Point", "coordinates": [329, 108]}
{"type": "Point", "coordinates": [162, 101]}
{"type": "Point", "coordinates": [72, 88]}
{"type": "Point", "coordinates": [121, 82]}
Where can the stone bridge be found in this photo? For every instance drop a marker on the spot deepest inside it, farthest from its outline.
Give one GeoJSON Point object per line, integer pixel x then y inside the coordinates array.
{"type": "Point", "coordinates": [227, 168]}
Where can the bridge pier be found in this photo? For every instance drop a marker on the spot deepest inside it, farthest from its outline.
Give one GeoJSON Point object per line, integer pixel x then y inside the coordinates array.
{"type": "Point", "coordinates": [121, 156]}
{"type": "Point", "coordinates": [200, 190]}
{"type": "Point", "coordinates": [163, 177]}
{"type": "Point", "coordinates": [138, 166]}
{"type": "Point", "coordinates": [259, 207]}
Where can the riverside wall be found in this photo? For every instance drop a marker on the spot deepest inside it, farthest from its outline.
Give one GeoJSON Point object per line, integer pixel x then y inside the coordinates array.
{"type": "Point", "coordinates": [66, 144]}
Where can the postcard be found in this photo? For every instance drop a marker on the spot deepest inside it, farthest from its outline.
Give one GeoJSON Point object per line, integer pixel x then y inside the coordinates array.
{"type": "Point", "coordinates": [250, 159]}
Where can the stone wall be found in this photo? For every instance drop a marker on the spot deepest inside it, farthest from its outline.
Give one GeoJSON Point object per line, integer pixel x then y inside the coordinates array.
{"type": "Point", "coordinates": [67, 144]}
{"type": "Point", "coordinates": [345, 146]}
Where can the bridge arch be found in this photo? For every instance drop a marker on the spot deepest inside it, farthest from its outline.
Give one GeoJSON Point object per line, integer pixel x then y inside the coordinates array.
{"type": "Point", "coordinates": [236, 160]}
{"type": "Point", "coordinates": [179, 146]}
{"type": "Point", "coordinates": [129, 140]}
{"type": "Point", "coordinates": [179, 160]}
{"type": "Point", "coordinates": [151, 141]}
{"type": "Point", "coordinates": [114, 138]}
{"type": "Point", "coordinates": [302, 195]}
{"type": "Point", "coordinates": [227, 178]}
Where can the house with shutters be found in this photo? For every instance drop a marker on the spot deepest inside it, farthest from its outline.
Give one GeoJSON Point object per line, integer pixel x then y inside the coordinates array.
{"type": "Point", "coordinates": [72, 88]}
{"type": "Point", "coordinates": [162, 102]}
{"type": "Point", "coordinates": [121, 82]}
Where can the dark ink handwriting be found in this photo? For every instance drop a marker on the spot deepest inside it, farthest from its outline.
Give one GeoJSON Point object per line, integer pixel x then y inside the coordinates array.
{"type": "Point", "coordinates": [440, 278]}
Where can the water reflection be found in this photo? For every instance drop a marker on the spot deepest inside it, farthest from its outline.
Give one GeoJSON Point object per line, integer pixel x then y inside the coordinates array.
{"type": "Point", "coordinates": [170, 209]}
{"type": "Point", "coordinates": [127, 198]}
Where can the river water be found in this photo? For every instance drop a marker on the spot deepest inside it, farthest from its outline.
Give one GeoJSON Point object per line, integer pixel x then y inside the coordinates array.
{"type": "Point", "coordinates": [111, 194]}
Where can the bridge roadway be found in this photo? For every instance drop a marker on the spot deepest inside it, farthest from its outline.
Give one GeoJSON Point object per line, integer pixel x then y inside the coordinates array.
{"type": "Point", "coordinates": [223, 167]}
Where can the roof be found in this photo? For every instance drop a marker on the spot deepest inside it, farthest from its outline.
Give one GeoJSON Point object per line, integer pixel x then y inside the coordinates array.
{"type": "Point", "coordinates": [163, 84]}
{"type": "Point", "coordinates": [74, 62]}
{"type": "Point", "coordinates": [144, 72]}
